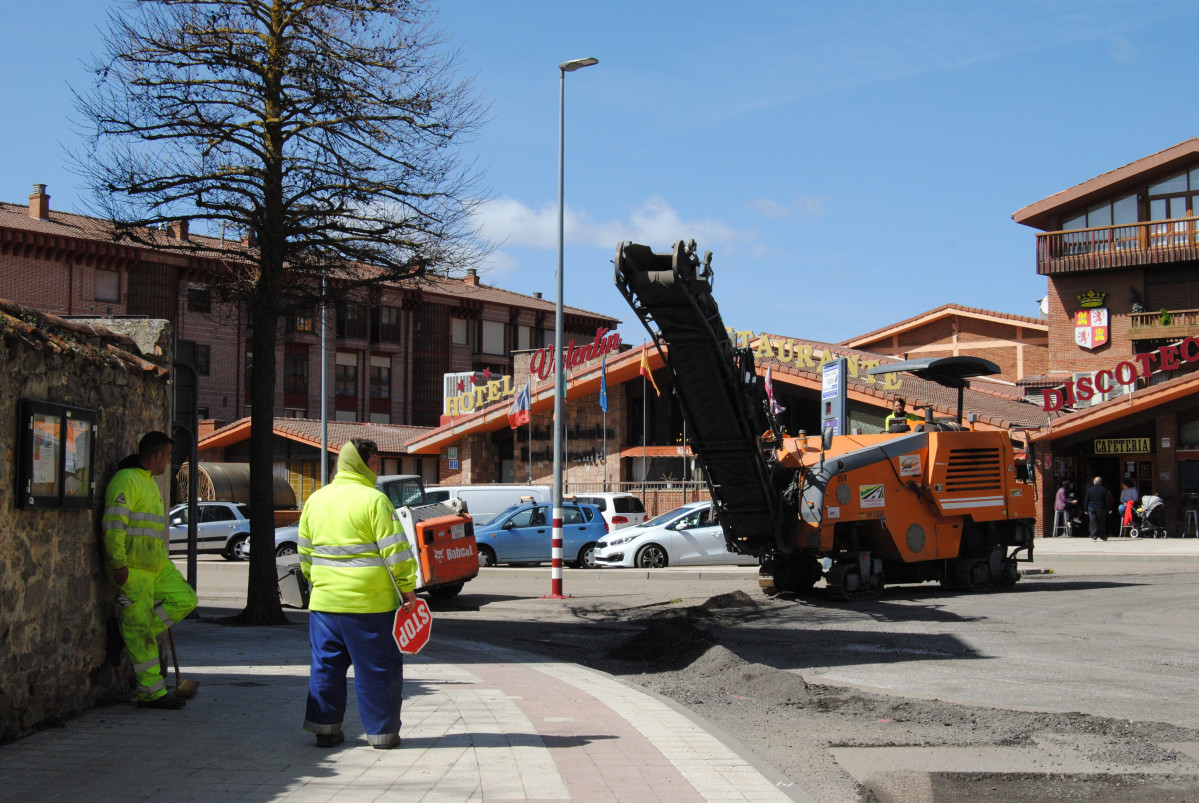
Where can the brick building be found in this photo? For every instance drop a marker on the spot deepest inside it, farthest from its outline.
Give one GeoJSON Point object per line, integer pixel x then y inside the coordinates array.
{"type": "Point", "coordinates": [1017, 344]}
{"type": "Point", "coordinates": [1120, 253]}
{"type": "Point", "coordinates": [387, 347]}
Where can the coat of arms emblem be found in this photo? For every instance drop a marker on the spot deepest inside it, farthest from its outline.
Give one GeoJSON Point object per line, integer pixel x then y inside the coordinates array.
{"type": "Point", "coordinates": [1090, 327]}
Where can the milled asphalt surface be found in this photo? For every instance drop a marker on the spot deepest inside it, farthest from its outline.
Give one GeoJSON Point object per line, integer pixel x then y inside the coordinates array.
{"type": "Point", "coordinates": [480, 723]}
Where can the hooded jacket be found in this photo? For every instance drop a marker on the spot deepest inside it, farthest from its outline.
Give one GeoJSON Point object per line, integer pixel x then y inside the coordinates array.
{"type": "Point", "coordinates": [351, 543]}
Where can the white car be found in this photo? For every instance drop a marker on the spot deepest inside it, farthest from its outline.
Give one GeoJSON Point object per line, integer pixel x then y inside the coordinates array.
{"type": "Point", "coordinates": [222, 527]}
{"type": "Point", "coordinates": [686, 536]}
{"type": "Point", "coordinates": [619, 509]}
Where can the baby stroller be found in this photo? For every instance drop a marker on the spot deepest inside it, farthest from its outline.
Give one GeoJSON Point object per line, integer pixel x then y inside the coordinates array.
{"type": "Point", "coordinates": [1147, 521]}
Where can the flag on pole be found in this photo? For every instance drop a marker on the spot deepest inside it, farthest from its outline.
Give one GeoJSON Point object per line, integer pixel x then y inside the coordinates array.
{"type": "Point", "coordinates": [519, 412]}
{"type": "Point", "coordinates": [604, 384]}
{"type": "Point", "coordinates": [775, 407]}
{"type": "Point", "coordinates": [646, 372]}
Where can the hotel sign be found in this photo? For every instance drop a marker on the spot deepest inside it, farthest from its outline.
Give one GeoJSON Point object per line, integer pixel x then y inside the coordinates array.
{"type": "Point", "coordinates": [1121, 446]}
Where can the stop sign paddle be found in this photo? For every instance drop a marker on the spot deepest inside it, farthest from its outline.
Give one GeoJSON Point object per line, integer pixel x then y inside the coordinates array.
{"type": "Point", "coordinates": [413, 628]}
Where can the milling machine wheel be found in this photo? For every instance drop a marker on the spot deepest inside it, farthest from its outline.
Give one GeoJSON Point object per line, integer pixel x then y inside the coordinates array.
{"type": "Point", "coordinates": [845, 583]}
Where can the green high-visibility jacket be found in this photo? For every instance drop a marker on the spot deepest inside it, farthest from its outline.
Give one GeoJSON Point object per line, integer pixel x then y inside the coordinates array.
{"type": "Point", "coordinates": [134, 522]}
{"type": "Point", "coordinates": [351, 543]}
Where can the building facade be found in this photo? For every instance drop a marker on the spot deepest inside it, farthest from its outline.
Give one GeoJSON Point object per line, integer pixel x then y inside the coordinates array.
{"type": "Point", "coordinates": [387, 347]}
{"type": "Point", "coordinates": [1120, 253]}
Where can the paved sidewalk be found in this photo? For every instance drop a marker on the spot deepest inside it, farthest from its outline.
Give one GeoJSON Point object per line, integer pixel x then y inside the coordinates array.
{"type": "Point", "coordinates": [480, 723]}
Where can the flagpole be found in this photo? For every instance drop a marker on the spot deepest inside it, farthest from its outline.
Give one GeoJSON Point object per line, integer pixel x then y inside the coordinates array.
{"type": "Point", "coordinates": [605, 450]}
{"type": "Point", "coordinates": [530, 450]}
{"type": "Point", "coordinates": [644, 413]}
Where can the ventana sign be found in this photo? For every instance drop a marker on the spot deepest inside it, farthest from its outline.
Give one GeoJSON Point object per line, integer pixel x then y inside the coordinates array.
{"type": "Point", "coordinates": [541, 365]}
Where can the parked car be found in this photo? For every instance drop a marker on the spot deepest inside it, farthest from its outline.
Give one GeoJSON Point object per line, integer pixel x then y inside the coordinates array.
{"type": "Point", "coordinates": [483, 502]}
{"type": "Point", "coordinates": [523, 533]}
{"type": "Point", "coordinates": [686, 536]}
{"type": "Point", "coordinates": [620, 509]}
{"type": "Point", "coordinates": [222, 527]}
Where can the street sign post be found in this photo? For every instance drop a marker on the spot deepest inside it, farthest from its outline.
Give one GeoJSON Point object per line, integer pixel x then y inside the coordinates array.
{"type": "Point", "coordinates": [413, 628]}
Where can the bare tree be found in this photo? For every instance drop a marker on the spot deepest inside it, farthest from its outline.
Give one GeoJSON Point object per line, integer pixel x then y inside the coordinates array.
{"type": "Point", "coordinates": [325, 131]}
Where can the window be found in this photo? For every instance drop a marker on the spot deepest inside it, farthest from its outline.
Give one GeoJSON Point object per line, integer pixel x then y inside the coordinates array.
{"type": "Point", "coordinates": [1173, 198]}
{"type": "Point", "coordinates": [385, 325]}
{"type": "Point", "coordinates": [295, 369]}
{"type": "Point", "coordinates": [199, 356]}
{"type": "Point", "coordinates": [1121, 212]}
{"type": "Point", "coordinates": [380, 378]}
{"type": "Point", "coordinates": [301, 322]}
{"type": "Point", "coordinates": [210, 513]}
{"type": "Point", "coordinates": [524, 338]}
{"type": "Point", "coordinates": [346, 378]}
{"type": "Point", "coordinates": [491, 337]}
{"type": "Point", "coordinates": [351, 320]}
{"type": "Point", "coordinates": [202, 413]}
{"type": "Point", "coordinates": [108, 285]}
{"type": "Point", "coordinates": [459, 331]}
{"type": "Point", "coordinates": [199, 299]}
{"type": "Point", "coordinates": [572, 515]}
{"type": "Point", "coordinates": [203, 359]}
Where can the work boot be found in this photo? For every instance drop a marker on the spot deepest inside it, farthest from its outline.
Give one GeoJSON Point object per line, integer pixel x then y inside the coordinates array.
{"type": "Point", "coordinates": [330, 739]}
{"type": "Point", "coordinates": [166, 702]}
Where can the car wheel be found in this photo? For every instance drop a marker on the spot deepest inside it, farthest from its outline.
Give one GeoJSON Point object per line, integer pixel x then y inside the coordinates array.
{"type": "Point", "coordinates": [486, 556]}
{"type": "Point", "coordinates": [586, 558]}
{"type": "Point", "coordinates": [651, 556]}
{"type": "Point", "coordinates": [285, 549]}
{"type": "Point", "coordinates": [238, 548]}
{"type": "Point", "coordinates": [446, 592]}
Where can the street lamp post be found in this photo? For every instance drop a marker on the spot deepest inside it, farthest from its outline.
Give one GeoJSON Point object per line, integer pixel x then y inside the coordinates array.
{"type": "Point", "coordinates": [559, 369]}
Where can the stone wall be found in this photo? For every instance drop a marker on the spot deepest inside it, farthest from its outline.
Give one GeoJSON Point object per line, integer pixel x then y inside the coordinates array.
{"type": "Point", "coordinates": [62, 652]}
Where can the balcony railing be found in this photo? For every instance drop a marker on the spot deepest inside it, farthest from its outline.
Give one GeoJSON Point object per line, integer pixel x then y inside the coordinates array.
{"type": "Point", "coordinates": [1125, 246]}
{"type": "Point", "coordinates": [1175, 324]}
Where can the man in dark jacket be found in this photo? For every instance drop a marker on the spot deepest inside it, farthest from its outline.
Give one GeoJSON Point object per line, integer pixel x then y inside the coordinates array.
{"type": "Point", "coordinates": [1098, 503]}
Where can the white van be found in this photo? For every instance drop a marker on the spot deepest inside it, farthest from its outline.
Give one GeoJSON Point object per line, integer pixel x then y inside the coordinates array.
{"type": "Point", "coordinates": [484, 502]}
{"type": "Point", "coordinates": [620, 509]}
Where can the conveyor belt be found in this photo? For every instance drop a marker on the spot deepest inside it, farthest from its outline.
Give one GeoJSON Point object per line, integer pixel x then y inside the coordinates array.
{"type": "Point", "coordinates": [721, 399]}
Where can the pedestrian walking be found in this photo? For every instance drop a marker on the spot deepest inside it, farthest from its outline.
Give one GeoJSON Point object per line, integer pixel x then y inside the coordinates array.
{"type": "Point", "coordinates": [153, 594]}
{"type": "Point", "coordinates": [1098, 503]}
{"type": "Point", "coordinates": [354, 553]}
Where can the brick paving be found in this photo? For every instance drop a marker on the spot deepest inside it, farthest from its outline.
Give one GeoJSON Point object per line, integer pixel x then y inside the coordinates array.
{"type": "Point", "coordinates": [480, 723]}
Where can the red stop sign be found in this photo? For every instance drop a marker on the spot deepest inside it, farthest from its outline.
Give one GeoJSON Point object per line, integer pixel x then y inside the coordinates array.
{"type": "Point", "coordinates": [413, 628]}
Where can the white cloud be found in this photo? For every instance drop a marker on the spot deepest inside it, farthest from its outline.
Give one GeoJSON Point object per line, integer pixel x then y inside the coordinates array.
{"type": "Point", "coordinates": [509, 222]}
{"type": "Point", "coordinates": [811, 205]}
{"type": "Point", "coordinates": [1122, 51]}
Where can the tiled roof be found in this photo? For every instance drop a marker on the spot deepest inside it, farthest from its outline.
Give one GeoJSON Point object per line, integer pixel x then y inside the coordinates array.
{"type": "Point", "coordinates": [63, 224]}
{"type": "Point", "coordinates": [390, 437]}
{"type": "Point", "coordinates": [995, 403]}
{"type": "Point", "coordinates": [943, 311]}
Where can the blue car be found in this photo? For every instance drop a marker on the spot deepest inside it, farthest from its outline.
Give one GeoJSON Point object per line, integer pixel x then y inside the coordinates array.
{"type": "Point", "coordinates": [523, 533]}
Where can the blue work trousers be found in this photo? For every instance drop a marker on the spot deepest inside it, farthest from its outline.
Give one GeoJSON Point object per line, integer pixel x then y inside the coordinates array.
{"type": "Point", "coordinates": [366, 641]}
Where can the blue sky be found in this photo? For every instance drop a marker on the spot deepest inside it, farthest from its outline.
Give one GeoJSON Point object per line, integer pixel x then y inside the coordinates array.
{"type": "Point", "coordinates": [848, 164]}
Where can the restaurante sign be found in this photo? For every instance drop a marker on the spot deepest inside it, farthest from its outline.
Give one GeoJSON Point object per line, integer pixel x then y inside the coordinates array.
{"type": "Point", "coordinates": [804, 355]}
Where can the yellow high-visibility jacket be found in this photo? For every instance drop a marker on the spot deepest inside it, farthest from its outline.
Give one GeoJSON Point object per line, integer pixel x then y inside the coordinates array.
{"type": "Point", "coordinates": [134, 522]}
{"type": "Point", "coordinates": [350, 540]}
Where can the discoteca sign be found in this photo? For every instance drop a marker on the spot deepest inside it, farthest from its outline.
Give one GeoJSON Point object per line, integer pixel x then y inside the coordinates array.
{"type": "Point", "coordinates": [1126, 373]}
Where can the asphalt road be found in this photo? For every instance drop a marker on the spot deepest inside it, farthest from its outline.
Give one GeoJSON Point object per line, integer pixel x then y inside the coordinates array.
{"type": "Point", "coordinates": [1106, 639]}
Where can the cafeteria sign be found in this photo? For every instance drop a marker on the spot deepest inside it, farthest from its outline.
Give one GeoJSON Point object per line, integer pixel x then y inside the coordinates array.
{"type": "Point", "coordinates": [1122, 446]}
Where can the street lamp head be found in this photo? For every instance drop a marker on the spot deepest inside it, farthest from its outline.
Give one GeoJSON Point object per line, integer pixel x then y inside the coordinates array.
{"type": "Point", "coordinates": [575, 64]}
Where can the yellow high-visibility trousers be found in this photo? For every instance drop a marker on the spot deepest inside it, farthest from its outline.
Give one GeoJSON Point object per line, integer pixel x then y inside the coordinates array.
{"type": "Point", "coordinates": [156, 600]}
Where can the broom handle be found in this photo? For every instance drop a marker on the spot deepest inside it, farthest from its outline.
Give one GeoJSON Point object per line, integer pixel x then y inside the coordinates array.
{"type": "Point", "coordinates": [174, 654]}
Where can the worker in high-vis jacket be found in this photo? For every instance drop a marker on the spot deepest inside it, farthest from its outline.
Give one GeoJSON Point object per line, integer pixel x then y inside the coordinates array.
{"type": "Point", "coordinates": [354, 553]}
{"type": "Point", "coordinates": [153, 594]}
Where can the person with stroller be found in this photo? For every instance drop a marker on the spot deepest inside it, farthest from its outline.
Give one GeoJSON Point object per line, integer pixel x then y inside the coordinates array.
{"type": "Point", "coordinates": [1098, 503]}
